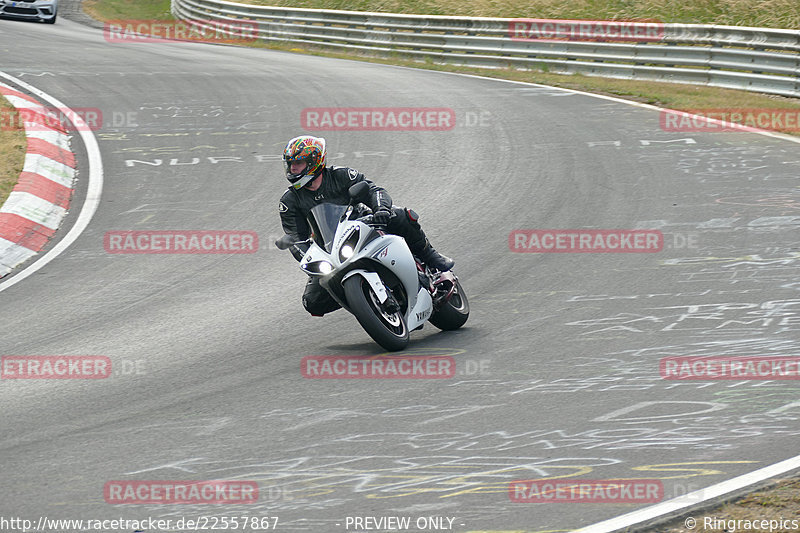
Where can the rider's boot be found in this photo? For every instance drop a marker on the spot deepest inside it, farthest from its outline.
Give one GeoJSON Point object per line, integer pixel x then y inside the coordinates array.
{"type": "Point", "coordinates": [434, 259]}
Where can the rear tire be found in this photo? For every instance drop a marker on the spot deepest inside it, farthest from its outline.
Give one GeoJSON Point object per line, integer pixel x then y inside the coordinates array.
{"type": "Point", "coordinates": [390, 331]}
{"type": "Point", "coordinates": [454, 313]}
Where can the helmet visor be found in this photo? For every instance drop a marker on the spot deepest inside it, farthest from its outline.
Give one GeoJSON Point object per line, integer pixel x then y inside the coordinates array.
{"type": "Point", "coordinates": [300, 167]}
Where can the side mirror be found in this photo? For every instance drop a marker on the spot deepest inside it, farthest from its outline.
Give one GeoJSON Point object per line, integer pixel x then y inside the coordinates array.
{"type": "Point", "coordinates": [359, 191]}
{"type": "Point", "coordinates": [285, 242]}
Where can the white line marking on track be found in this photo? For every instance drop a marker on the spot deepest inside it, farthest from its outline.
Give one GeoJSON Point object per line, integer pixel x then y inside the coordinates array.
{"type": "Point", "coordinates": [692, 499]}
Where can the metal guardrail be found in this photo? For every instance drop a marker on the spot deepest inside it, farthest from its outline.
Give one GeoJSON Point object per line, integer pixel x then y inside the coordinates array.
{"type": "Point", "coordinates": [753, 59]}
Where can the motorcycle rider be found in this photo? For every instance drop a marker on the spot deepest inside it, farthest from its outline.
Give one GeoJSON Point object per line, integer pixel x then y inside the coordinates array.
{"type": "Point", "coordinates": [313, 183]}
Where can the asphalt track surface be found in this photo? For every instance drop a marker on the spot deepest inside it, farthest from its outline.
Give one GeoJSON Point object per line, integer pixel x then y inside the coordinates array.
{"type": "Point", "coordinates": [557, 367]}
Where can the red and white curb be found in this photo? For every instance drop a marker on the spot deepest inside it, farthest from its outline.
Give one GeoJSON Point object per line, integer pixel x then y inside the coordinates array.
{"type": "Point", "coordinates": [38, 203]}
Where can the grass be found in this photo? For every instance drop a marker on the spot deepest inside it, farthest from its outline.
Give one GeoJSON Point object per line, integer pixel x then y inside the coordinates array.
{"type": "Point", "coordinates": [12, 148]}
{"type": "Point", "coordinates": [128, 9]}
{"type": "Point", "coordinates": [779, 502]}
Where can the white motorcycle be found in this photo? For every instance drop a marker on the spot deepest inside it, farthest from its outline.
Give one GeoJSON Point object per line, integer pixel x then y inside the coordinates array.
{"type": "Point", "coordinates": [373, 274]}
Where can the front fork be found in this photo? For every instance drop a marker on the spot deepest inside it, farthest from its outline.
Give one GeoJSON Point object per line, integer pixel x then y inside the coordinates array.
{"type": "Point", "coordinates": [374, 281]}
{"type": "Point", "coordinates": [384, 295]}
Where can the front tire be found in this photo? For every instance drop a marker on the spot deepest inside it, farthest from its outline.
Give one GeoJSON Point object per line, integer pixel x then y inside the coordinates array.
{"type": "Point", "coordinates": [50, 21]}
{"type": "Point", "coordinates": [388, 330]}
{"type": "Point", "coordinates": [454, 313]}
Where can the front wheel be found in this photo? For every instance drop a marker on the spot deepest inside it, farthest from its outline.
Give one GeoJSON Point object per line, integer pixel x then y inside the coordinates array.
{"type": "Point", "coordinates": [454, 313]}
{"type": "Point", "coordinates": [387, 329]}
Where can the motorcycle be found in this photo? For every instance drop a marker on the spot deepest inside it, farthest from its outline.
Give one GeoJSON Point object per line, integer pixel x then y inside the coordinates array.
{"type": "Point", "coordinates": [375, 276]}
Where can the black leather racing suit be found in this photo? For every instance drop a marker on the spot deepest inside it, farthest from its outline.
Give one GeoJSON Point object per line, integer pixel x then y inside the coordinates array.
{"type": "Point", "coordinates": [336, 181]}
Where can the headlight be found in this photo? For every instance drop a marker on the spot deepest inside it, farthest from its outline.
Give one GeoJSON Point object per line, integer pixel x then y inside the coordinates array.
{"type": "Point", "coordinates": [318, 267]}
{"type": "Point", "coordinates": [348, 247]}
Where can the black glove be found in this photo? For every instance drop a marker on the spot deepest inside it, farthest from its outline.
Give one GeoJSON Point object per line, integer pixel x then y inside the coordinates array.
{"type": "Point", "coordinates": [382, 216]}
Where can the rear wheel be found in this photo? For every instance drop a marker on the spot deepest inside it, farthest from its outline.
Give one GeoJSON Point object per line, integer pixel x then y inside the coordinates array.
{"type": "Point", "coordinates": [454, 313]}
{"type": "Point", "coordinates": [387, 329]}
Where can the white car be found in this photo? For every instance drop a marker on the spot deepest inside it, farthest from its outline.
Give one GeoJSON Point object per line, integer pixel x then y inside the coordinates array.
{"type": "Point", "coordinates": [41, 10]}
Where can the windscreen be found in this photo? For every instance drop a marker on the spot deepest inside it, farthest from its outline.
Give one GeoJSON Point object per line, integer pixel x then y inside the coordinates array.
{"type": "Point", "coordinates": [324, 218]}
